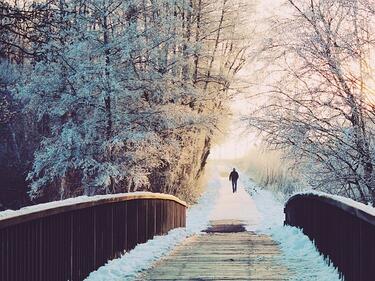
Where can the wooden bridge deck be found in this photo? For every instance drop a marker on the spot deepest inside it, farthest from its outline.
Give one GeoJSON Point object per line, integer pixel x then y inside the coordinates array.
{"type": "Point", "coordinates": [221, 254]}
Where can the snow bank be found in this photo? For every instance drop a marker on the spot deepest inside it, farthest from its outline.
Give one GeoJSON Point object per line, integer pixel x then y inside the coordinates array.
{"type": "Point", "coordinates": [144, 255]}
{"type": "Point", "coordinates": [300, 255]}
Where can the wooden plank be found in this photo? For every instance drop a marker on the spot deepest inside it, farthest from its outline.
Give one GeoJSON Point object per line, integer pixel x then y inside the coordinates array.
{"type": "Point", "coordinates": [222, 256]}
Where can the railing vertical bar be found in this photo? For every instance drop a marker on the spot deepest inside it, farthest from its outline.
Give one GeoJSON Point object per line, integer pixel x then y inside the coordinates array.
{"type": "Point", "coordinates": [24, 251]}
{"type": "Point", "coordinates": [40, 249]}
{"type": "Point", "coordinates": [60, 247]}
{"type": "Point", "coordinates": [8, 257]}
{"type": "Point", "coordinates": [45, 243]}
{"type": "Point", "coordinates": [71, 237]}
{"type": "Point", "coordinates": [147, 206]}
{"type": "Point", "coordinates": [94, 241]}
{"type": "Point", "coordinates": [16, 252]}
{"type": "Point", "coordinates": [125, 222]}
{"type": "Point", "coordinates": [2, 255]}
{"type": "Point", "coordinates": [165, 217]}
{"type": "Point", "coordinates": [80, 237]}
{"type": "Point", "coordinates": [53, 249]}
{"type": "Point", "coordinates": [159, 213]}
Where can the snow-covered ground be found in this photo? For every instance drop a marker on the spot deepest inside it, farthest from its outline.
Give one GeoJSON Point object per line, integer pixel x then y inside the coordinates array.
{"type": "Point", "coordinates": [236, 206]}
{"type": "Point", "coordinates": [256, 207]}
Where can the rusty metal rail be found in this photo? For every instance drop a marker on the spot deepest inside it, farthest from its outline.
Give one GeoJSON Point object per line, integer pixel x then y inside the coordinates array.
{"type": "Point", "coordinates": [340, 231]}
{"type": "Point", "coordinates": [68, 242]}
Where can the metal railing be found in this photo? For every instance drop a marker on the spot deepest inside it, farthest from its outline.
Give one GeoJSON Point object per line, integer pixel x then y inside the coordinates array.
{"type": "Point", "coordinates": [70, 241]}
{"type": "Point", "coordinates": [341, 231]}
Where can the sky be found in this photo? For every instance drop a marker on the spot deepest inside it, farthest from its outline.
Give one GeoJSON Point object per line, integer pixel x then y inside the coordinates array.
{"type": "Point", "coordinates": [239, 139]}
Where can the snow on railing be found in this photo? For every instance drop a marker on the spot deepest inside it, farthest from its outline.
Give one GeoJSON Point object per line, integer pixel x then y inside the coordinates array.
{"type": "Point", "coordinates": [356, 208]}
{"type": "Point", "coordinates": [64, 205]}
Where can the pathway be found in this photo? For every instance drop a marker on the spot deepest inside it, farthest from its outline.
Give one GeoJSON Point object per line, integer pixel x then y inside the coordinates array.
{"type": "Point", "coordinates": [228, 249]}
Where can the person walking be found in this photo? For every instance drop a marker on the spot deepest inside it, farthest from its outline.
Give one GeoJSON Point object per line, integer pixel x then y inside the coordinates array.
{"type": "Point", "coordinates": [234, 177]}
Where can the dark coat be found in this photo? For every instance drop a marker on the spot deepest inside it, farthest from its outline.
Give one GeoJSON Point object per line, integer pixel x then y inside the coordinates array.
{"type": "Point", "coordinates": [233, 176]}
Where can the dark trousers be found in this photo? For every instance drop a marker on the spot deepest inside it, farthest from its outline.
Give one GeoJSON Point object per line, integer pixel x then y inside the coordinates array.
{"type": "Point", "coordinates": [234, 186]}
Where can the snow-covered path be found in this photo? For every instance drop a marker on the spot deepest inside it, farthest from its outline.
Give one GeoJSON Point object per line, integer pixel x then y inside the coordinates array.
{"type": "Point", "coordinates": [261, 212]}
{"type": "Point", "coordinates": [234, 206]}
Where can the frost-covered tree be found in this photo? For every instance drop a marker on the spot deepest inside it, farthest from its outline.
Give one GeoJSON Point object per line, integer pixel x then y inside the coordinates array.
{"type": "Point", "coordinates": [319, 93]}
{"type": "Point", "coordinates": [129, 94]}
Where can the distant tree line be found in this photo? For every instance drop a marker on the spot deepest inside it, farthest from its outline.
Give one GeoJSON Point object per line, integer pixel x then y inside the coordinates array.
{"type": "Point", "coordinates": [319, 95]}
{"type": "Point", "coordinates": [108, 96]}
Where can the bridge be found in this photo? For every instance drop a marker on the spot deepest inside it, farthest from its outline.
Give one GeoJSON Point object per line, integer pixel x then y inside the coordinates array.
{"type": "Point", "coordinates": [69, 239]}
